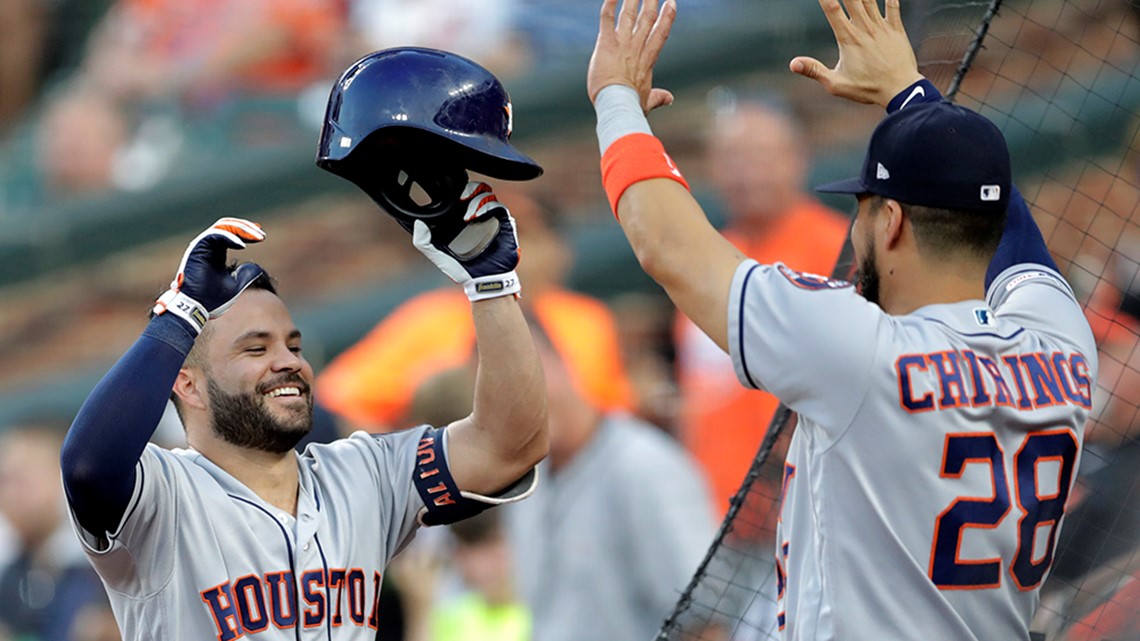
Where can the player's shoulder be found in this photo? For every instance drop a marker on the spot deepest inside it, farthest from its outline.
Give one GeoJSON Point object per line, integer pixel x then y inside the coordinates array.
{"type": "Point", "coordinates": [1040, 299]}
{"type": "Point", "coordinates": [1028, 278]}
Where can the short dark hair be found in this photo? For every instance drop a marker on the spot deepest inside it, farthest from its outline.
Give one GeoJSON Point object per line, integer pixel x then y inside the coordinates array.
{"type": "Point", "coordinates": [951, 232]}
{"type": "Point", "coordinates": [195, 358]}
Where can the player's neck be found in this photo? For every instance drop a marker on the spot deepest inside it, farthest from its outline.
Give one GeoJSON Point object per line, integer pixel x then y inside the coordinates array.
{"type": "Point", "coordinates": [925, 284]}
{"type": "Point", "coordinates": [272, 477]}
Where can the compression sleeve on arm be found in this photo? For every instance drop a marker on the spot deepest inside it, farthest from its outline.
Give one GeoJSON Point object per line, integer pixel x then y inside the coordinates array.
{"type": "Point", "coordinates": [920, 91]}
{"type": "Point", "coordinates": [1021, 242]}
{"type": "Point", "coordinates": [109, 434]}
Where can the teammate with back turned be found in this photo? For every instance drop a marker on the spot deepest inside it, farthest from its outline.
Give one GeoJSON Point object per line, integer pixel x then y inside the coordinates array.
{"type": "Point", "coordinates": [239, 536]}
{"type": "Point", "coordinates": [941, 403]}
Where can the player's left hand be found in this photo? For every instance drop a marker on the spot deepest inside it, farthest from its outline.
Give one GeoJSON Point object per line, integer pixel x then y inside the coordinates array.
{"type": "Point", "coordinates": [483, 256]}
{"type": "Point", "coordinates": [875, 57]}
{"type": "Point", "coordinates": [626, 53]}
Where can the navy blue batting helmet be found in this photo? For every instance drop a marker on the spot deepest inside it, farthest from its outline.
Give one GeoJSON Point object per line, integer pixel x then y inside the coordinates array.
{"type": "Point", "coordinates": [413, 89]}
{"type": "Point", "coordinates": [412, 116]}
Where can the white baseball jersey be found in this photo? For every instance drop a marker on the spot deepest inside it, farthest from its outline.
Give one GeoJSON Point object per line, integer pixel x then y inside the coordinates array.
{"type": "Point", "coordinates": [200, 556]}
{"type": "Point", "coordinates": [928, 474]}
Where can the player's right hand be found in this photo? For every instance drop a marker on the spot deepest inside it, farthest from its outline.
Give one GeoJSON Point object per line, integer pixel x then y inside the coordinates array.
{"type": "Point", "coordinates": [204, 286]}
{"type": "Point", "coordinates": [876, 60]}
{"type": "Point", "coordinates": [626, 53]}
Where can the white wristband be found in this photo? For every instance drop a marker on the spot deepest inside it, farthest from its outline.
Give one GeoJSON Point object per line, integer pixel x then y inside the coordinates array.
{"type": "Point", "coordinates": [183, 307]}
{"type": "Point", "coordinates": [619, 114]}
{"type": "Point", "coordinates": [493, 286]}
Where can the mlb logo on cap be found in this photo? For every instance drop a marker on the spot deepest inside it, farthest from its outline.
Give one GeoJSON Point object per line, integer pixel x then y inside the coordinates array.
{"type": "Point", "coordinates": [939, 155]}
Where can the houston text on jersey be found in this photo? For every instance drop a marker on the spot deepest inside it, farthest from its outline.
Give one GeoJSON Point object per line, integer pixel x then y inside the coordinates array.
{"type": "Point", "coordinates": [253, 604]}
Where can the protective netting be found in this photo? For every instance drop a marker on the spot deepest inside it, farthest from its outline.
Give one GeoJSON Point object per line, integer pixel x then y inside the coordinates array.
{"type": "Point", "coordinates": [1060, 77]}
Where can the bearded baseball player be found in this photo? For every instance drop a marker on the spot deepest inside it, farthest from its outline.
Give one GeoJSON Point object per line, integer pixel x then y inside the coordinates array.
{"type": "Point", "coordinates": [941, 404]}
{"type": "Point", "coordinates": [239, 536]}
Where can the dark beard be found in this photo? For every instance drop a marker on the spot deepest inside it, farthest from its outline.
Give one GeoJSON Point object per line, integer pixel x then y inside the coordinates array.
{"type": "Point", "coordinates": [867, 276]}
{"type": "Point", "coordinates": [246, 421]}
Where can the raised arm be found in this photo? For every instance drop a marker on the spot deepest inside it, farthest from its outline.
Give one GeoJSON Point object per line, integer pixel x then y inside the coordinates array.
{"type": "Point", "coordinates": [107, 438]}
{"type": "Point", "coordinates": [668, 231]}
{"type": "Point", "coordinates": [877, 65]}
{"type": "Point", "coordinates": [506, 433]}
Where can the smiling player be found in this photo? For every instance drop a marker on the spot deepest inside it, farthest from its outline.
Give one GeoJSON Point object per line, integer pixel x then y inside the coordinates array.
{"type": "Point", "coordinates": [240, 536]}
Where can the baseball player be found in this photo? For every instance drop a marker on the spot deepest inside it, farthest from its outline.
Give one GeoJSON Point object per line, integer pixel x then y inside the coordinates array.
{"type": "Point", "coordinates": [941, 411]}
{"type": "Point", "coordinates": [239, 536]}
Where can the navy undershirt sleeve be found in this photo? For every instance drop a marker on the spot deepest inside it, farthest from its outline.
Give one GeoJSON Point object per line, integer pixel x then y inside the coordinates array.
{"type": "Point", "coordinates": [1021, 241]}
{"type": "Point", "coordinates": [108, 436]}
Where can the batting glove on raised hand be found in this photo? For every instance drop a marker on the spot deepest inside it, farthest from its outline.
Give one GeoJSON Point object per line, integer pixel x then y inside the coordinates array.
{"type": "Point", "coordinates": [483, 255]}
{"type": "Point", "coordinates": [204, 287]}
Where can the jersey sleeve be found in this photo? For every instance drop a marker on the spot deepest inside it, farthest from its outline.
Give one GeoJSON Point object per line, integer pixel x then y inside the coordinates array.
{"type": "Point", "coordinates": [807, 339]}
{"type": "Point", "coordinates": [1039, 298]}
{"type": "Point", "coordinates": [443, 501]}
{"type": "Point", "coordinates": [415, 485]}
{"type": "Point", "coordinates": [134, 558]}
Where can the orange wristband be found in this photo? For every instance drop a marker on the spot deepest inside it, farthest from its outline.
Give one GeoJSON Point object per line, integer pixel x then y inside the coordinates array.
{"type": "Point", "coordinates": [633, 158]}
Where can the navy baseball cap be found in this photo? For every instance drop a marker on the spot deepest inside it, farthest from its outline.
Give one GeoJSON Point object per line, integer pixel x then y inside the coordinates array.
{"type": "Point", "coordinates": [935, 154]}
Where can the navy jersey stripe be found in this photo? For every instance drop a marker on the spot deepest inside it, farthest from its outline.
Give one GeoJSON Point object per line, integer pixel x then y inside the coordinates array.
{"type": "Point", "coordinates": [740, 324]}
{"type": "Point", "coordinates": [289, 550]}
{"type": "Point", "coordinates": [974, 334]}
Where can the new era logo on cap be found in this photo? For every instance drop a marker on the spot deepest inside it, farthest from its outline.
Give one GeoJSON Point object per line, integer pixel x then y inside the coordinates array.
{"type": "Point", "coordinates": [881, 172]}
{"type": "Point", "coordinates": [991, 193]}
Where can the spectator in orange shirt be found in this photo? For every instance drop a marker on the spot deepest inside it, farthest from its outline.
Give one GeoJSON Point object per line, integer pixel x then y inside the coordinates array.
{"type": "Point", "coordinates": [758, 162]}
{"type": "Point", "coordinates": [371, 385]}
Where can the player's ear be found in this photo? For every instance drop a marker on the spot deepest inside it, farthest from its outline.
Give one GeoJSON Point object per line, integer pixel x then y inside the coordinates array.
{"type": "Point", "coordinates": [190, 387]}
{"type": "Point", "coordinates": [893, 222]}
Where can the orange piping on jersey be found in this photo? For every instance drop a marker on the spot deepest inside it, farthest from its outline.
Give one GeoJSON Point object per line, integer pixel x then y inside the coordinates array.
{"type": "Point", "coordinates": [278, 584]}
{"type": "Point", "coordinates": [374, 616]}
{"type": "Point", "coordinates": [1079, 366]}
{"type": "Point", "coordinates": [949, 378]}
{"type": "Point", "coordinates": [782, 581]}
{"type": "Point", "coordinates": [1003, 395]}
{"type": "Point", "coordinates": [1052, 523]}
{"type": "Point", "coordinates": [227, 605]}
{"type": "Point", "coordinates": [1043, 379]}
{"type": "Point", "coordinates": [241, 597]}
{"type": "Point", "coordinates": [315, 598]}
{"type": "Point", "coordinates": [1013, 363]}
{"type": "Point", "coordinates": [355, 606]}
{"type": "Point", "coordinates": [938, 520]}
{"type": "Point", "coordinates": [981, 395]}
{"type": "Point", "coordinates": [1064, 370]}
{"type": "Point", "coordinates": [906, 392]}
{"type": "Point", "coordinates": [336, 582]}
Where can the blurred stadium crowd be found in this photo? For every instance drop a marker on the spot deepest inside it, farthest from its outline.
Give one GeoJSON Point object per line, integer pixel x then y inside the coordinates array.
{"type": "Point", "coordinates": [112, 99]}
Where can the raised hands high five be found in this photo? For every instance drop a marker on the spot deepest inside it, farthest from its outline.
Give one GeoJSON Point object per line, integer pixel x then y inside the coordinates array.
{"type": "Point", "coordinates": [876, 60]}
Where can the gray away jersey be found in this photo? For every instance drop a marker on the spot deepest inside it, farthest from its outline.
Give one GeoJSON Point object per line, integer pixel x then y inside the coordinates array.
{"type": "Point", "coordinates": [200, 556]}
{"type": "Point", "coordinates": [926, 480]}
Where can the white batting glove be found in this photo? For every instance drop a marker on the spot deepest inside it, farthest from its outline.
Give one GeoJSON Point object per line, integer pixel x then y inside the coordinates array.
{"type": "Point", "coordinates": [483, 256]}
